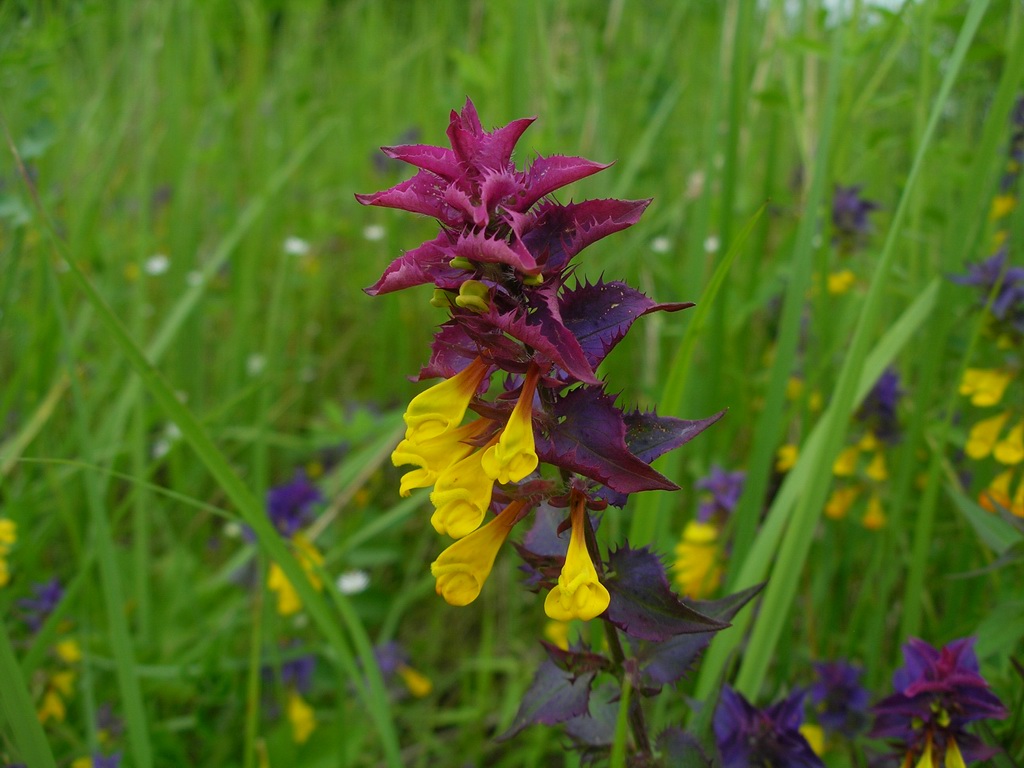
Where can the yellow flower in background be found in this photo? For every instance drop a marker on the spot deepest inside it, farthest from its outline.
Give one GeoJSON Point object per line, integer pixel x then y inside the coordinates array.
{"type": "Point", "coordinates": [8, 535]}
{"type": "Point", "coordinates": [68, 651]}
{"type": "Point", "coordinates": [698, 566]}
{"type": "Point", "coordinates": [301, 717]}
{"type": "Point", "coordinates": [786, 457]}
{"type": "Point", "coordinates": [877, 469]}
{"type": "Point", "coordinates": [1002, 205]}
{"type": "Point", "coordinates": [288, 600]}
{"type": "Point", "coordinates": [840, 501]}
{"type": "Point", "coordinates": [579, 594]}
{"type": "Point", "coordinates": [557, 633]}
{"type": "Point", "coordinates": [815, 736]}
{"type": "Point", "coordinates": [846, 462]}
{"type": "Point", "coordinates": [462, 569]}
{"type": "Point", "coordinates": [840, 282]}
{"type": "Point", "coordinates": [1010, 450]}
{"type": "Point", "coordinates": [984, 435]}
{"type": "Point", "coordinates": [874, 517]}
{"type": "Point", "coordinates": [419, 685]}
{"type": "Point", "coordinates": [984, 387]}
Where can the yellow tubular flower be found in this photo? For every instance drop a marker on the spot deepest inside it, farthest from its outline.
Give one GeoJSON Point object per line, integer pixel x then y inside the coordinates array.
{"type": "Point", "coordinates": [983, 436]}
{"type": "Point", "coordinates": [473, 295]}
{"type": "Point", "coordinates": [462, 569]}
{"type": "Point", "coordinates": [698, 570]}
{"type": "Point", "coordinates": [997, 495]}
{"type": "Point", "coordinates": [1001, 206]}
{"type": "Point", "coordinates": [927, 760]}
{"type": "Point", "coordinates": [8, 535]}
{"type": "Point", "coordinates": [1017, 507]}
{"type": "Point", "coordinates": [1010, 450]}
{"type": "Point", "coordinates": [840, 282]}
{"type": "Point", "coordinates": [435, 455]}
{"type": "Point", "coordinates": [514, 457]}
{"type": "Point", "coordinates": [301, 716]}
{"type": "Point", "coordinates": [5, 573]}
{"type": "Point", "coordinates": [578, 594]}
{"type": "Point", "coordinates": [52, 707]}
{"type": "Point", "coordinates": [815, 736]}
{"type": "Point", "coordinates": [440, 408]}
{"type": "Point", "coordinates": [846, 462]}
{"type": "Point", "coordinates": [461, 496]}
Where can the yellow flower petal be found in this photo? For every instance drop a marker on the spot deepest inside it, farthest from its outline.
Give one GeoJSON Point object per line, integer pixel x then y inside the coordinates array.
{"type": "Point", "coordinates": [1001, 206]}
{"type": "Point", "coordinates": [877, 469]}
{"type": "Point", "coordinates": [68, 651]}
{"type": "Point", "coordinates": [435, 455]}
{"type": "Point", "coordinates": [985, 387]}
{"type": "Point", "coordinates": [786, 457]}
{"type": "Point", "coordinates": [288, 600]}
{"type": "Point", "coordinates": [840, 501]}
{"type": "Point", "coordinates": [815, 736]}
{"type": "Point", "coordinates": [462, 569]}
{"type": "Point", "coordinates": [840, 282]}
{"type": "Point", "coordinates": [874, 517]}
{"type": "Point", "coordinates": [419, 685]}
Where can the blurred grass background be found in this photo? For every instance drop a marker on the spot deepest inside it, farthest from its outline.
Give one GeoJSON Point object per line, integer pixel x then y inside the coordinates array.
{"type": "Point", "coordinates": [198, 160]}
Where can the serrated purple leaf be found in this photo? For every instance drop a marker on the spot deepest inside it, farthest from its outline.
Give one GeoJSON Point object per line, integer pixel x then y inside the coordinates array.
{"type": "Point", "coordinates": [438, 160]}
{"type": "Point", "coordinates": [600, 315]}
{"type": "Point", "coordinates": [426, 264]}
{"type": "Point", "coordinates": [643, 604]}
{"type": "Point", "coordinates": [597, 727]}
{"type": "Point", "coordinates": [588, 436]}
{"type": "Point", "coordinates": [546, 174]}
{"type": "Point", "coordinates": [422, 193]}
{"type": "Point", "coordinates": [451, 351]}
{"type": "Point", "coordinates": [556, 233]}
{"type": "Point", "coordinates": [554, 696]}
{"type": "Point", "coordinates": [545, 334]}
{"type": "Point", "coordinates": [683, 750]}
{"type": "Point", "coordinates": [577, 661]}
{"type": "Point", "coordinates": [664, 663]}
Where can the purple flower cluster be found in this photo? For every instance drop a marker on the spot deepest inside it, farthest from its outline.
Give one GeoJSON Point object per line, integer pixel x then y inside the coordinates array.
{"type": "Point", "coordinates": [290, 505]}
{"type": "Point", "coordinates": [995, 276]}
{"type": "Point", "coordinates": [878, 411]}
{"type": "Point", "coordinates": [841, 702]}
{"type": "Point", "coordinates": [36, 609]}
{"type": "Point", "coordinates": [723, 494]}
{"type": "Point", "coordinates": [938, 693]}
{"type": "Point", "coordinates": [850, 213]}
{"type": "Point", "coordinates": [748, 736]}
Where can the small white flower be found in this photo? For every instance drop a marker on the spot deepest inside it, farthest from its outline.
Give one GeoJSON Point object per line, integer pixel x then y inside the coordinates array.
{"type": "Point", "coordinates": [194, 278]}
{"type": "Point", "coordinates": [374, 232]}
{"type": "Point", "coordinates": [156, 264]}
{"type": "Point", "coordinates": [661, 244]}
{"type": "Point", "coordinates": [172, 432]}
{"type": "Point", "coordinates": [295, 246]}
{"type": "Point", "coordinates": [255, 364]}
{"type": "Point", "coordinates": [695, 185]}
{"type": "Point", "coordinates": [232, 530]}
{"type": "Point", "coordinates": [353, 582]}
{"type": "Point", "coordinates": [711, 244]}
{"type": "Point", "coordinates": [161, 448]}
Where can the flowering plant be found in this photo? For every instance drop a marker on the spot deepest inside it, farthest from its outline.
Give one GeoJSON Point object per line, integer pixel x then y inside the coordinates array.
{"type": "Point", "coordinates": [520, 348]}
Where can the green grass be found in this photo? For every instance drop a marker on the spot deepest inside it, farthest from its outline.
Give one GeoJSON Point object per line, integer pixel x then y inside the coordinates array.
{"type": "Point", "coordinates": [144, 416]}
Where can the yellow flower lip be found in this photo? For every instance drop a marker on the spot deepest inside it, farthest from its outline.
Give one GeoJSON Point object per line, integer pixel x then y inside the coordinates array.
{"type": "Point", "coordinates": [461, 496]}
{"type": "Point", "coordinates": [435, 455]}
{"type": "Point", "coordinates": [579, 594]}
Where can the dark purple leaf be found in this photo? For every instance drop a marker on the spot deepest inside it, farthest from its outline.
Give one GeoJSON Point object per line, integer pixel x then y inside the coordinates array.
{"type": "Point", "coordinates": [545, 334]}
{"type": "Point", "coordinates": [597, 727]}
{"type": "Point", "coordinates": [477, 246]}
{"type": "Point", "coordinates": [438, 160]}
{"type": "Point", "coordinates": [643, 604]}
{"type": "Point", "coordinates": [578, 661]}
{"type": "Point", "coordinates": [682, 750]}
{"type": "Point", "coordinates": [600, 315]}
{"type": "Point", "coordinates": [664, 663]}
{"type": "Point", "coordinates": [554, 696]}
{"type": "Point", "coordinates": [556, 233]}
{"type": "Point", "coordinates": [451, 351]}
{"type": "Point", "coordinates": [588, 436]}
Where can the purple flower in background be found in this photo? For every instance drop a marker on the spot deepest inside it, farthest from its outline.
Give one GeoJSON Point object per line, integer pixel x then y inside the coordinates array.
{"type": "Point", "coordinates": [850, 216]}
{"type": "Point", "coordinates": [289, 505]}
{"type": "Point", "coordinates": [1008, 304]}
{"type": "Point", "coordinates": [748, 736]}
{"type": "Point", "coordinates": [36, 609]}
{"type": "Point", "coordinates": [839, 698]}
{"type": "Point", "coordinates": [938, 692]}
{"type": "Point", "coordinates": [298, 672]}
{"type": "Point", "coordinates": [113, 760]}
{"type": "Point", "coordinates": [878, 410]}
{"type": "Point", "coordinates": [724, 489]}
